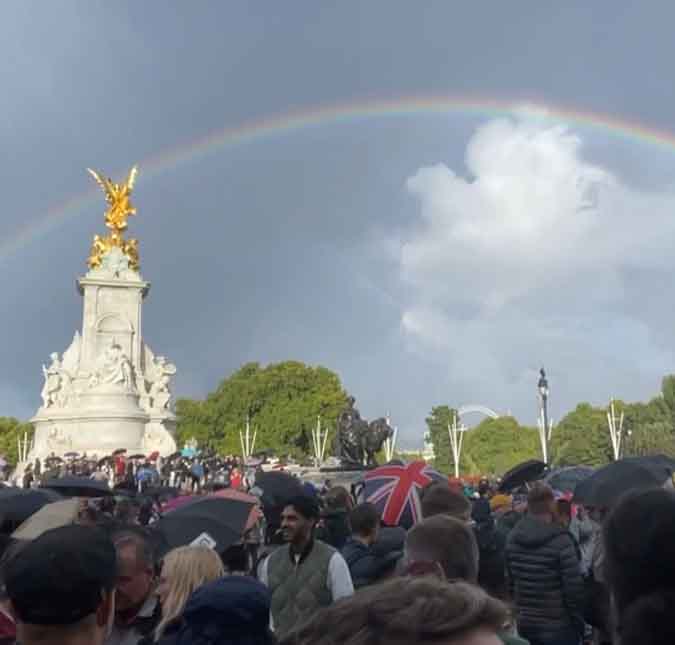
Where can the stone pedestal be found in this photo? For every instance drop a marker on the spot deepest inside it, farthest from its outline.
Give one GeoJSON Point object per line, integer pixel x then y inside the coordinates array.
{"type": "Point", "coordinates": [108, 390]}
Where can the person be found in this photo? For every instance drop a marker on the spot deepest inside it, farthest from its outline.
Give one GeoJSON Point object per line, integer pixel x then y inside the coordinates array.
{"type": "Point", "coordinates": [234, 610]}
{"type": "Point", "coordinates": [61, 587]}
{"type": "Point", "coordinates": [366, 564]}
{"type": "Point", "coordinates": [407, 611]}
{"type": "Point", "coordinates": [137, 609]}
{"type": "Point", "coordinates": [446, 547]}
{"type": "Point", "coordinates": [440, 499]}
{"type": "Point", "coordinates": [638, 537]}
{"type": "Point", "coordinates": [563, 509]}
{"type": "Point", "coordinates": [481, 505]}
{"type": "Point", "coordinates": [183, 570]}
{"type": "Point", "coordinates": [581, 528]}
{"type": "Point", "coordinates": [305, 573]}
{"type": "Point", "coordinates": [333, 525]}
{"type": "Point", "coordinates": [544, 575]}
{"type": "Point", "coordinates": [444, 542]}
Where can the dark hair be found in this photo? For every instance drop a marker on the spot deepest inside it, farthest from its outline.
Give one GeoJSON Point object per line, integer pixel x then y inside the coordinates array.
{"type": "Point", "coordinates": [307, 506]}
{"type": "Point", "coordinates": [364, 519]}
{"type": "Point", "coordinates": [540, 499]}
{"type": "Point", "coordinates": [338, 497]}
{"type": "Point", "coordinates": [141, 540]}
{"type": "Point", "coordinates": [639, 541]}
{"type": "Point", "coordinates": [440, 499]}
{"type": "Point", "coordinates": [401, 611]}
{"type": "Point", "coordinates": [235, 558]}
{"type": "Point", "coordinates": [445, 540]}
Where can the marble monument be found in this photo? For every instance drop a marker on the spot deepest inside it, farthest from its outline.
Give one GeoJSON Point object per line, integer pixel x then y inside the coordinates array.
{"type": "Point", "coordinates": [108, 390]}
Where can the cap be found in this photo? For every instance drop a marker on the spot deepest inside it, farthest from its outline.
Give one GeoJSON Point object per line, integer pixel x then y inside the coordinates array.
{"type": "Point", "coordinates": [58, 578]}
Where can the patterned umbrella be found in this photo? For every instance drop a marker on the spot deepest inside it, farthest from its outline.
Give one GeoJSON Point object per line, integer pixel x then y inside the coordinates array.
{"type": "Point", "coordinates": [395, 491]}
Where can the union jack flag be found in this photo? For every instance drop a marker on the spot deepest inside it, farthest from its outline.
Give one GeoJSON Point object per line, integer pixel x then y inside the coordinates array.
{"type": "Point", "coordinates": [395, 491]}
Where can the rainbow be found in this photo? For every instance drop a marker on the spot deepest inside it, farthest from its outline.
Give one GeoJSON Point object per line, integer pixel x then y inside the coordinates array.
{"type": "Point", "coordinates": [340, 114]}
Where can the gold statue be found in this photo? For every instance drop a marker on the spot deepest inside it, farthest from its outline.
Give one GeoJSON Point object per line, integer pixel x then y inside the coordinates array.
{"type": "Point", "coordinates": [118, 197]}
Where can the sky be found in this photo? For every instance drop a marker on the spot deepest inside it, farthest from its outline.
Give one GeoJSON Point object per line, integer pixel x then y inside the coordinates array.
{"type": "Point", "coordinates": [429, 258]}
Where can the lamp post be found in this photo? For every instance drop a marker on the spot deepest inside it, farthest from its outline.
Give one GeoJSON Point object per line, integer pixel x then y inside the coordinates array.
{"type": "Point", "coordinates": [456, 433]}
{"type": "Point", "coordinates": [545, 426]}
{"type": "Point", "coordinates": [615, 430]}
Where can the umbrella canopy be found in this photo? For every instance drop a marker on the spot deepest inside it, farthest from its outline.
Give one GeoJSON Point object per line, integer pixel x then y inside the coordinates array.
{"type": "Point", "coordinates": [119, 451]}
{"type": "Point", "coordinates": [213, 521]}
{"type": "Point", "coordinates": [18, 504]}
{"type": "Point", "coordinates": [138, 456]}
{"type": "Point", "coordinates": [78, 487]}
{"type": "Point", "coordinates": [395, 491]}
{"type": "Point", "coordinates": [566, 479]}
{"type": "Point", "coordinates": [50, 516]}
{"type": "Point", "coordinates": [231, 493]}
{"type": "Point", "coordinates": [604, 487]}
{"type": "Point", "coordinates": [278, 487]}
{"type": "Point", "coordinates": [528, 471]}
{"type": "Point", "coordinates": [226, 493]}
{"type": "Point", "coordinates": [163, 492]}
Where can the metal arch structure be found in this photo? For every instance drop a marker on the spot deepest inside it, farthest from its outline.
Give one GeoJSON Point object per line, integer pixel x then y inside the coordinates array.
{"type": "Point", "coordinates": [457, 429]}
{"type": "Point", "coordinates": [480, 409]}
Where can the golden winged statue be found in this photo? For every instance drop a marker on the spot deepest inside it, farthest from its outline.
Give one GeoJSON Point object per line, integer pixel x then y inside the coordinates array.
{"type": "Point", "coordinates": [120, 207]}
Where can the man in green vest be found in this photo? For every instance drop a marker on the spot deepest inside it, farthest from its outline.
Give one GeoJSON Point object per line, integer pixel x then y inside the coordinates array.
{"type": "Point", "coordinates": [305, 574]}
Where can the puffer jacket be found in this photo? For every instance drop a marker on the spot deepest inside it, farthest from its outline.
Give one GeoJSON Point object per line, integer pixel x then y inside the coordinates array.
{"type": "Point", "coordinates": [544, 579]}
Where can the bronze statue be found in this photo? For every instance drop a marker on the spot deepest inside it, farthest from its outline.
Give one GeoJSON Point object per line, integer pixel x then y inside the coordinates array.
{"type": "Point", "coordinates": [357, 441]}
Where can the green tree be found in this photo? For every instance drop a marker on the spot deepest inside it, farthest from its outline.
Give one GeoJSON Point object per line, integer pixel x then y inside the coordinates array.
{"type": "Point", "coordinates": [582, 437]}
{"type": "Point", "coordinates": [438, 423]}
{"type": "Point", "coordinates": [667, 397]}
{"type": "Point", "coordinates": [11, 431]}
{"type": "Point", "coordinates": [282, 401]}
{"type": "Point", "coordinates": [496, 445]}
{"type": "Point", "coordinates": [648, 427]}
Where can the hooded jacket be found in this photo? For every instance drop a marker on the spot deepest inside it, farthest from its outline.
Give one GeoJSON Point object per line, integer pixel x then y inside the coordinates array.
{"type": "Point", "coordinates": [544, 579]}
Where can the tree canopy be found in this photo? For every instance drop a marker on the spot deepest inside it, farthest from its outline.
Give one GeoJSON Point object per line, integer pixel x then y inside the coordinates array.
{"type": "Point", "coordinates": [282, 400]}
{"type": "Point", "coordinates": [11, 431]}
{"type": "Point", "coordinates": [495, 445]}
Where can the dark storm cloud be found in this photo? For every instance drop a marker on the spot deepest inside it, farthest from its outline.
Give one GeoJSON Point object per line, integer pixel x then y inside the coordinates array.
{"type": "Point", "coordinates": [292, 247]}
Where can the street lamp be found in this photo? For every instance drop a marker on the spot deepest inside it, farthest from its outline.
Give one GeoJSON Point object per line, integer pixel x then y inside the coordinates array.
{"type": "Point", "coordinates": [545, 426]}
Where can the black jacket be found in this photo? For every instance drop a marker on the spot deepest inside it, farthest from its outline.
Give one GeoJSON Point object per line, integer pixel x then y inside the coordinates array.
{"type": "Point", "coordinates": [366, 564]}
{"type": "Point", "coordinates": [334, 527]}
{"type": "Point", "coordinates": [544, 579]}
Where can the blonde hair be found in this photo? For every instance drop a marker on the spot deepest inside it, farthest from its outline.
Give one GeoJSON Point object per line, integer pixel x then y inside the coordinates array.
{"type": "Point", "coordinates": [187, 567]}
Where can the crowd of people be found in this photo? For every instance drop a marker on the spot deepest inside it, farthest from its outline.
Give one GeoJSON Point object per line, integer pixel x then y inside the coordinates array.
{"type": "Point", "coordinates": [184, 469]}
{"type": "Point", "coordinates": [478, 569]}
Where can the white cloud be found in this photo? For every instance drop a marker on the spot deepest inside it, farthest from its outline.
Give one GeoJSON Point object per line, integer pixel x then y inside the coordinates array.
{"type": "Point", "coordinates": [536, 254]}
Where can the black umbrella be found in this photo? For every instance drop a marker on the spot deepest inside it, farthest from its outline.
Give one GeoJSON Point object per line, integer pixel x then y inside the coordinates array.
{"type": "Point", "coordinates": [18, 504]}
{"type": "Point", "coordinates": [139, 456]}
{"type": "Point", "coordinates": [566, 479]}
{"type": "Point", "coordinates": [607, 484]}
{"type": "Point", "coordinates": [166, 492]}
{"type": "Point", "coordinates": [214, 521]}
{"type": "Point", "coordinates": [528, 471]}
{"type": "Point", "coordinates": [78, 487]}
{"type": "Point", "coordinates": [278, 487]}
{"type": "Point", "coordinates": [119, 451]}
